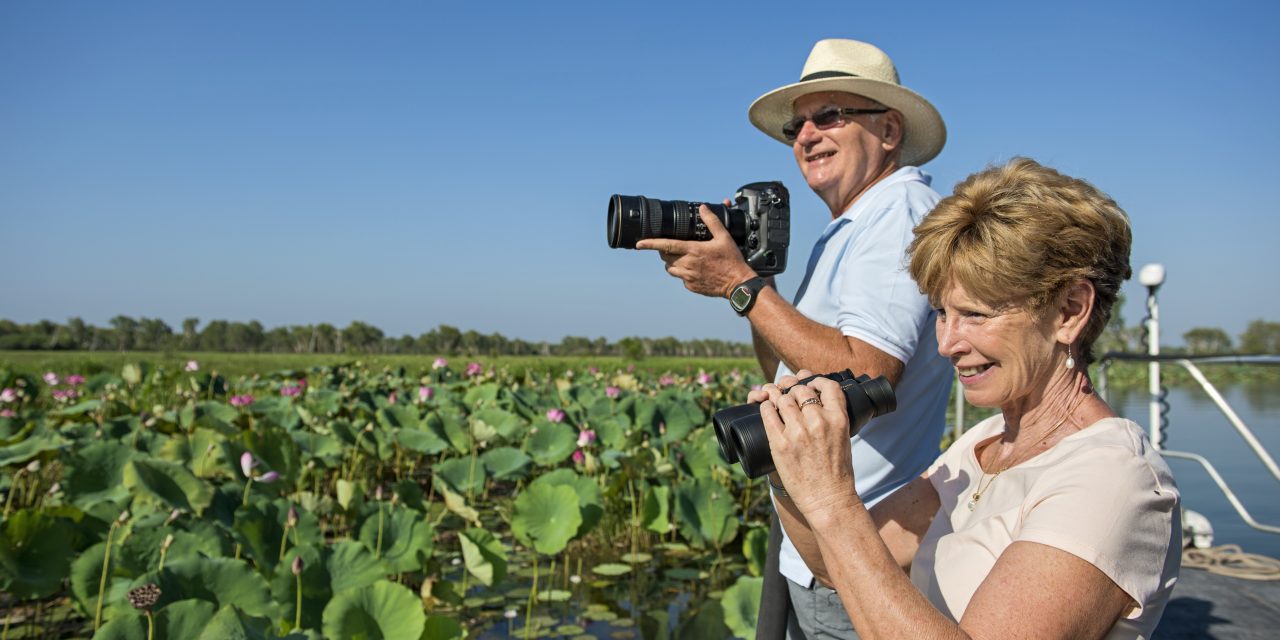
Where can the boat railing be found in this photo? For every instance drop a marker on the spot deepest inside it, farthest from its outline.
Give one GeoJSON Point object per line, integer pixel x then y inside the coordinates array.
{"type": "Point", "coordinates": [1159, 407]}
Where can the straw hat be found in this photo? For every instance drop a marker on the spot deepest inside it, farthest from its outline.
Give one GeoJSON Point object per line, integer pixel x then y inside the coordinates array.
{"type": "Point", "coordinates": [862, 69]}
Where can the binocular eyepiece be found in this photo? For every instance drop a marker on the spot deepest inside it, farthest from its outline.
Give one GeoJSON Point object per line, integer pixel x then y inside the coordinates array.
{"type": "Point", "coordinates": [740, 430]}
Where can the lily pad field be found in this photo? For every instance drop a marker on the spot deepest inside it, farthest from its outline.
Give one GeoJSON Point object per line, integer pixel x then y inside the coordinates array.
{"type": "Point", "coordinates": [359, 500]}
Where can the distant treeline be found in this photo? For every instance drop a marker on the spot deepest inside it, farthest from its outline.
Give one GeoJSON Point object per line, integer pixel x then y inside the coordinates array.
{"type": "Point", "coordinates": [151, 334]}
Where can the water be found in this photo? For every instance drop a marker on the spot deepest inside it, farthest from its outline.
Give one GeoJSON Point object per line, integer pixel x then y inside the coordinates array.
{"type": "Point", "coordinates": [1196, 425]}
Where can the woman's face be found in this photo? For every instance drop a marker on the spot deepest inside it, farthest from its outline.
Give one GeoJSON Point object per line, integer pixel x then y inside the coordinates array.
{"type": "Point", "coordinates": [1004, 356]}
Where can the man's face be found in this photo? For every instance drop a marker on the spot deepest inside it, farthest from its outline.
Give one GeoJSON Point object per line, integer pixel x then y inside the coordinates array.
{"type": "Point", "coordinates": [841, 161]}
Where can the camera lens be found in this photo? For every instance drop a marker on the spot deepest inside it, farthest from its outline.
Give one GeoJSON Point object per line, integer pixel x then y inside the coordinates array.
{"type": "Point", "coordinates": [635, 218]}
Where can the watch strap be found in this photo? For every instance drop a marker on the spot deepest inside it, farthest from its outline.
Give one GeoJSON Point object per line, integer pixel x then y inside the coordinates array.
{"type": "Point", "coordinates": [744, 295]}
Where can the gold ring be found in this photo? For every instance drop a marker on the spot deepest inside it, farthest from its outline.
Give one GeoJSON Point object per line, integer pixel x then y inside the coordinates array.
{"type": "Point", "coordinates": [810, 401]}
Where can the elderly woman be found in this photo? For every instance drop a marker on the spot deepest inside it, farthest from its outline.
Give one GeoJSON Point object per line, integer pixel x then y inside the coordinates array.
{"type": "Point", "coordinates": [1053, 519]}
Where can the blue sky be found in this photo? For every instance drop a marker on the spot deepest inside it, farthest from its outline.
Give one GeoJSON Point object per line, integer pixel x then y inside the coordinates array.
{"type": "Point", "coordinates": [410, 164]}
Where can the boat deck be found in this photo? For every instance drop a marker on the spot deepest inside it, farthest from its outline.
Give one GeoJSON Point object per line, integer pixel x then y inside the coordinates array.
{"type": "Point", "coordinates": [1209, 605]}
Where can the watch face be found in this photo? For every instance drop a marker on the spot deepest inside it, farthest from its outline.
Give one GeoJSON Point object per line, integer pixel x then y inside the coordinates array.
{"type": "Point", "coordinates": [739, 298]}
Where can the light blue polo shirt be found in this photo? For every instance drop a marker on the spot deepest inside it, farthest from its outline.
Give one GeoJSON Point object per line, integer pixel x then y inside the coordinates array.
{"type": "Point", "coordinates": [857, 281]}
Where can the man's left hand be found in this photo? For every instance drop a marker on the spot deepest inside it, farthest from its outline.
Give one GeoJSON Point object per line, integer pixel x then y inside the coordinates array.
{"type": "Point", "coordinates": [712, 267]}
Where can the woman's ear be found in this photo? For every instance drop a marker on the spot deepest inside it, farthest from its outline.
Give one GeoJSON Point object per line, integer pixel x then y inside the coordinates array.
{"type": "Point", "coordinates": [1075, 307]}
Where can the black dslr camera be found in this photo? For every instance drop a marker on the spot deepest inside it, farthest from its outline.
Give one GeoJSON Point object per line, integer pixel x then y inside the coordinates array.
{"type": "Point", "coordinates": [740, 430]}
{"type": "Point", "coordinates": [759, 221]}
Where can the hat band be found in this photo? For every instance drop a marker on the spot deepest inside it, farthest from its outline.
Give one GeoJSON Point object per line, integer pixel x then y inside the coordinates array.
{"type": "Point", "coordinates": [818, 75]}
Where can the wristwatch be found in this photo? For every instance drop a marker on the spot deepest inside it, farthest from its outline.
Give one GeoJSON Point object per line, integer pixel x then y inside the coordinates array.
{"type": "Point", "coordinates": [745, 294]}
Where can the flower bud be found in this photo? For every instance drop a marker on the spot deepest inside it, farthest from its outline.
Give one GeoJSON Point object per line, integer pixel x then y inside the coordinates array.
{"type": "Point", "coordinates": [296, 566]}
{"type": "Point", "coordinates": [291, 519]}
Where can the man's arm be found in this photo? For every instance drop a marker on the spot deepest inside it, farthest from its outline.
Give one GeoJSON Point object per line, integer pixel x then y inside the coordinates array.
{"type": "Point", "coordinates": [802, 343]}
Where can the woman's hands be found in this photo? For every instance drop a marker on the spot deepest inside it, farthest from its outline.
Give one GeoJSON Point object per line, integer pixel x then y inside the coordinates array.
{"type": "Point", "coordinates": [808, 429]}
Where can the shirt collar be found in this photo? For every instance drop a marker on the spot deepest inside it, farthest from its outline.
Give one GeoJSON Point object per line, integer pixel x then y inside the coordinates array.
{"type": "Point", "coordinates": [903, 174]}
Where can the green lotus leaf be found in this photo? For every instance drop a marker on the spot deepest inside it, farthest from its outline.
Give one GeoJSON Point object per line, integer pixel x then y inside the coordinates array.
{"type": "Point", "coordinates": [34, 553]}
{"type": "Point", "coordinates": [323, 402]}
{"type": "Point", "coordinates": [259, 528]}
{"type": "Point", "coordinates": [183, 620]}
{"type": "Point", "coordinates": [553, 442]}
{"type": "Point", "coordinates": [222, 581]}
{"type": "Point", "coordinates": [424, 441]}
{"type": "Point", "coordinates": [458, 504]}
{"type": "Point", "coordinates": [96, 473]}
{"type": "Point", "coordinates": [755, 547]}
{"type": "Point", "coordinates": [590, 498]}
{"type": "Point", "coordinates": [276, 451]}
{"type": "Point", "coordinates": [398, 416]}
{"type": "Point", "coordinates": [140, 551]}
{"type": "Point", "coordinates": [450, 427]}
{"type": "Point", "coordinates": [546, 517]}
{"type": "Point", "coordinates": [78, 409]}
{"type": "Point", "coordinates": [442, 628]}
{"type": "Point", "coordinates": [277, 412]}
{"type": "Point", "coordinates": [350, 494]}
{"type": "Point", "coordinates": [706, 622]}
{"type": "Point", "coordinates": [507, 425]}
{"type": "Point", "coordinates": [611, 569]}
{"type": "Point", "coordinates": [405, 541]}
{"type": "Point", "coordinates": [37, 442]}
{"type": "Point", "coordinates": [351, 565]}
{"type": "Point", "coordinates": [741, 604]}
{"type": "Point", "coordinates": [168, 481]}
{"type": "Point", "coordinates": [655, 514]}
{"type": "Point", "coordinates": [612, 431]}
{"type": "Point", "coordinates": [465, 475]}
{"type": "Point", "coordinates": [554, 595]}
{"type": "Point", "coordinates": [680, 416]}
{"type": "Point", "coordinates": [229, 623]}
{"type": "Point", "coordinates": [482, 394]}
{"type": "Point", "coordinates": [212, 415]}
{"type": "Point", "coordinates": [701, 454]}
{"type": "Point", "coordinates": [202, 451]}
{"type": "Point", "coordinates": [706, 513]}
{"type": "Point", "coordinates": [636, 558]}
{"type": "Point", "coordinates": [506, 462]}
{"type": "Point", "coordinates": [483, 555]}
{"type": "Point", "coordinates": [381, 610]}
{"type": "Point", "coordinates": [323, 449]}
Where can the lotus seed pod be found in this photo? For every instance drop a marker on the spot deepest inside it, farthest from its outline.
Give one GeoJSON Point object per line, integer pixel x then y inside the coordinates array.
{"type": "Point", "coordinates": [296, 567]}
{"type": "Point", "coordinates": [144, 597]}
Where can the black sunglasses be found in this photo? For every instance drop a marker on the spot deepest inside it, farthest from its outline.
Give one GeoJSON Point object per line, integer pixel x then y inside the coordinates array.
{"type": "Point", "coordinates": [824, 119]}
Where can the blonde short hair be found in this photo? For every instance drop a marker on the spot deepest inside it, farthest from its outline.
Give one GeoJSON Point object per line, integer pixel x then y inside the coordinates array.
{"type": "Point", "coordinates": [1017, 235]}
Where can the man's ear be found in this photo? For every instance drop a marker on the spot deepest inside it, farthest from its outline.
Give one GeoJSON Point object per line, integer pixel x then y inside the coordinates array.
{"type": "Point", "coordinates": [891, 130]}
{"type": "Point", "coordinates": [1075, 307]}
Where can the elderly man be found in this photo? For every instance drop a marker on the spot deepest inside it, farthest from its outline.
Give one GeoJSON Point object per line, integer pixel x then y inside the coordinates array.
{"type": "Point", "coordinates": [858, 137]}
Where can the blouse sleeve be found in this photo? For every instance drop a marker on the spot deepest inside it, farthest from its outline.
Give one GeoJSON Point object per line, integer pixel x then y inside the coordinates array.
{"type": "Point", "coordinates": [1112, 509]}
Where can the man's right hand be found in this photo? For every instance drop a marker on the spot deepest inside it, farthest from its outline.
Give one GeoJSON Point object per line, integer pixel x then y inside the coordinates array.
{"type": "Point", "coordinates": [711, 267]}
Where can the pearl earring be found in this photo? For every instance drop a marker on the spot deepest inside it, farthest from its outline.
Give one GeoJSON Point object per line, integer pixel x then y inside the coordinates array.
{"type": "Point", "coordinates": [1071, 362]}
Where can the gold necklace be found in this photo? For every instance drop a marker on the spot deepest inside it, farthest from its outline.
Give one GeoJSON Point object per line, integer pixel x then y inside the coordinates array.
{"type": "Point", "coordinates": [977, 495]}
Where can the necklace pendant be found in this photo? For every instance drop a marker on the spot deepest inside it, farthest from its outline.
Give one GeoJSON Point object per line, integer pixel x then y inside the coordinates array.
{"type": "Point", "coordinates": [973, 502]}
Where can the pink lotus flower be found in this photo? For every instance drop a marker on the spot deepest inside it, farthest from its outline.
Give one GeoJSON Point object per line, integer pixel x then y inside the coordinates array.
{"type": "Point", "coordinates": [192, 365]}
{"type": "Point", "coordinates": [247, 463]}
{"type": "Point", "coordinates": [426, 393]}
{"type": "Point", "coordinates": [704, 379]}
{"type": "Point", "coordinates": [474, 369]}
{"type": "Point", "coordinates": [391, 398]}
{"type": "Point", "coordinates": [592, 370]}
{"type": "Point", "coordinates": [75, 379]}
{"type": "Point", "coordinates": [50, 378]}
{"type": "Point", "coordinates": [579, 457]}
{"type": "Point", "coordinates": [7, 413]}
{"type": "Point", "coordinates": [555, 415]}
{"type": "Point", "coordinates": [439, 363]}
{"type": "Point", "coordinates": [586, 437]}
{"type": "Point", "coordinates": [8, 395]}
{"type": "Point", "coordinates": [241, 400]}
{"type": "Point", "coordinates": [65, 394]}
{"type": "Point", "coordinates": [290, 390]}
{"type": "Point", "coordinates": [666, 380]}
{"type": "Point", "coordinates": [268, 477]}
{"type": "Point", "coordinates": [612, 392]}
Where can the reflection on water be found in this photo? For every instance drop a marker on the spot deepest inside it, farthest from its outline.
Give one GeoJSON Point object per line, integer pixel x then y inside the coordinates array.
{"type": "Point", "coordinates": [1196, 425]}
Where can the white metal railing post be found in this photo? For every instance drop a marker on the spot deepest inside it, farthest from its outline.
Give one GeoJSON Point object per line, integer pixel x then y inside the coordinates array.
{"type": "Point", "coordinates": [958, 429]}
{"type": "Point", "coordinates": [1152, 276]}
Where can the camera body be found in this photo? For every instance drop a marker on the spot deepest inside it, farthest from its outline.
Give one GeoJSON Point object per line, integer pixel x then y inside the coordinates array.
{"type": "Point", "coordinates": [759, 221]}
{"type": "Point", "coordinates": [740, 429]}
